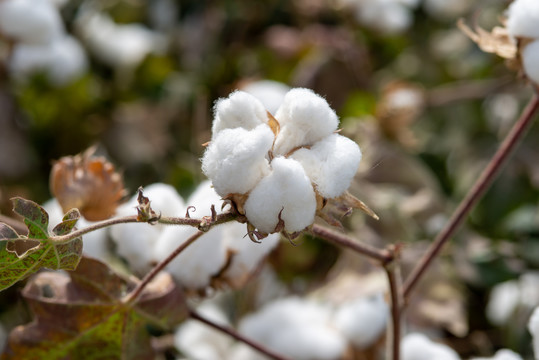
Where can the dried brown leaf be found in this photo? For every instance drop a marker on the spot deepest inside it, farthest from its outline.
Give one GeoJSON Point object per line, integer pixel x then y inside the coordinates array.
{"type": "Point", "coordinates": [496, 41]}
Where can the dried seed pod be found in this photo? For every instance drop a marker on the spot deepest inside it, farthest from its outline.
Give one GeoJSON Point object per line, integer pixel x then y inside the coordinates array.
{"type": "Point", "coordinates": [89, 183]}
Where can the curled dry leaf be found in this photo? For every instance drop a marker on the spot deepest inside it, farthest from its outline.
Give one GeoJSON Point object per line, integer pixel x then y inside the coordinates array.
{"type": "Point", "coordinates": [89, 183]}
{"type": "Point", "coordinates": [80, 315]}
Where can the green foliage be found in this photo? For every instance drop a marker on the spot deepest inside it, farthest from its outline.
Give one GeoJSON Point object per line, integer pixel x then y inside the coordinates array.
{"type": "Point", "coordinates": [81, 315]}
{"type": "Point", "coordinates": [22, 255]}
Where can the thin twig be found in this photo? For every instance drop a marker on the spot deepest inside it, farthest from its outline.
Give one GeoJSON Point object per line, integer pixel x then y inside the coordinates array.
{"type": "Point", "coordinates": [133, 295]}
{"type": "Point", "coordinates": [394, 291]}
{"type": "Point", "coordinates": [383, 256]}
{"type": "Point", "coordinates": [476, 192]}
{"type": "Point", "coordinates": [233, 333]}
{"type": "Point", "coordinates": [93, 227]}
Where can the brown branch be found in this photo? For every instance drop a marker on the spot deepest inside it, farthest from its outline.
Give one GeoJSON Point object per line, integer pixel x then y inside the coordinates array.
{"type": "Point", "coordinates": [394, 291]}
{"type": "Point", "coordinates": [383, 256]}
{"type": "Point", "coordinates": [476, 192]}
{"type": "Point", "coordinates": [233, 333]}
{"type": "Point", "coordinates": [133, 295]}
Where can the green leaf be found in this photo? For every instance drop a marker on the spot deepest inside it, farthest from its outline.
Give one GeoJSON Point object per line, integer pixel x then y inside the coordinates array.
{"type": "Point", "coordinates": [21, 256]}
{"type": "Point", "coordinates": [80, 315]}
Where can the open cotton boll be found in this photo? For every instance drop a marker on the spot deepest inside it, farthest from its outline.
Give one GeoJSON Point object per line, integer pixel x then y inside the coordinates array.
{"type": "Point", "coordinates": [503, 354]}
{"type": "Point", "coordinates": [122, 46]}
{"type": "Point", "coordinates": [63, 60]}
{"type": "Point", "coordinates": [330, 163]}
{"type": "Point", "coordinates": [415, 346]}
{"type": "Point", "coordinates": [30, 21]}
{"type": "Point", "coordinates": [522, 18]}
{"type": "Point", "coordinates": [286, 190]}
{"type": "Point", "coordinates": [297, 328]}
{"type": "Point", "coordinates": [504, 299]}
{"type": "Point", "coordinates": [386, 16]}
{"type": "Point", "coordinates": [304, 118]}
{"type": "Point", "coordinates": [135, 242]}
{"type": "Point", "coordinates": [533, 328]}
{"type": "Point", "coordinates": [239, 109]}
{"type": "Point", "coordinates": [270, 93]}
{"type": "Point", "coordinates": [373, 313]}
{"type": "Point", "coordinates": [530, 59]}
{"type": "Point", "coordinates": [247, 254]}
{"type": "Point", "coordinates": [198, 341]}
{"type": "Point", "coordinates": [235, 160]}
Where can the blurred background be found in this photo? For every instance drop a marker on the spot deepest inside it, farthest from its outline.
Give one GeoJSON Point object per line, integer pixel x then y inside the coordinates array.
{"type": "Point", "coordinates": [427, 107]}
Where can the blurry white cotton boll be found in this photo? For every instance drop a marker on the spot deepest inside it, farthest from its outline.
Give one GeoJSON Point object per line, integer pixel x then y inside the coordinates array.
{"type": "Point", "coordinates": [533, 328]}
{"type": "Point", "coordinates": [119, 46]}
{"type": "Point", "coordinates": [270, 93]}
{"type": "Point", "coordinates": [63, 60]}
{"type": "Point", "coordinates": [415, 346]}
{"type": "Point", "coordinates": [503, 354]}
{"type": "Point", "coordinates": [94, 243]}
{"type": "Point", "coordinates": [373, 313]}
{"type": "Point", "coordinates": [530, 60]}
{"type": "Point", "coordinates": [503, 301]}
{"type": "Point", "coordinates": [198, 341]}
{"type": "Point", "coordinates": [297, 328]}
{"type": "Point", "coordinates": [522, 19]}
{"type": "Point", "coordinates": [30, 21]}
{"type": "Point", "coordinates": [136, 242]}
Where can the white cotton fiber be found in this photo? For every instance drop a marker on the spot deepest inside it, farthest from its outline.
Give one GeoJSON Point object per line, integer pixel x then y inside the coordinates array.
{"type": "Point", "coordinates": [330, 163]}
{"type": "Point", "coordinates": [247, 254]}
{"type": "Point", "coordinates": [135, 242]}
{"type": "Point", "coordinates": [533, 328]}
{"type": "Point", "coordinates": [530, 59]}
{"type": "Point", "coordinates": [30, 21]}
{"type": "Point", "coordinates": [522, 18]}
{"type": "Point", "coordinates": [240, 109]}
{"type": "Point", "coordinates": [503, 354]}
{"type": "Point", "coordinates": [415, 346]}
{"type": "Point", "coordinates": [285, 189]}
{"type": "Point", "coordinates": [62, 60]}
{"type": "Point", "coordinates": [235, 160]}
{"type": "Point", "coordinates": [297, 328]}
{"type": "Point", "coordinates": [504, 299]}
{"type": "Point", "coordinates": [362, 321]}
{"type": "Point", "coordinates": [199, 341]}
{"type": "Point", "coordinates": [305, 118]}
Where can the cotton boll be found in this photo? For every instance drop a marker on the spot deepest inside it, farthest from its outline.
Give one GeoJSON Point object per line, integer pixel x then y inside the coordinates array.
{"type": "Point", "coordinates": [135, 242]}
{"type": "Point", "coordinates": [199, 341]}
{"type": "Point", "coordinates": [286, 190]}
{"type": "Point", "coordinates": [270, 93]}
{"type": "Point", "coordinates": [522, 18]}
{"type": "Point", "coordinates": [373, 313]}
{"type": "Point", "coordinates": [235, 160]}
{"type": "Point", "coordinates": [121, 46]}
{"type": "Point", "coordinates": [504, 299]}
{"type": "Point", "coordinates": [446, 10]}
{"type": "Point", "coordinates": [196, 265]}
{"type": "Point", "coordinates": [63, 60]}
{"type": "Point", "coordinates": [296, 328]}
{"type": "Point", "coordinates": [247, 254]}
{"type": "Point", "coordinates": [417, 346]}
{"type": "Point", "coordinates": [533, 328]}
{"type": "Point", "coordinates": [240, 109]}
{"type": "Point", "coordinates": [240, 351]}
{"type": "Point", "coordinates": [304, 118]}
{"type": "Point", "coordinates": [30, 21]}
{"type": "Point", "coordinates": [330, 164]}
{"type": "Point", "coordinates": [503, 354]}
{"type": "Point", "coordinates": [530, 59]}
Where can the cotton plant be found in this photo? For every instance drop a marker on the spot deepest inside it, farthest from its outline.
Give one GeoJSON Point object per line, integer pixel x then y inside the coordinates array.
{"type": "Point", "coordinates": [223, 251]}
{"type": "Point", "coordinates": [41, 43]}
{"type": "Point", "coordinates": [280, 171]}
